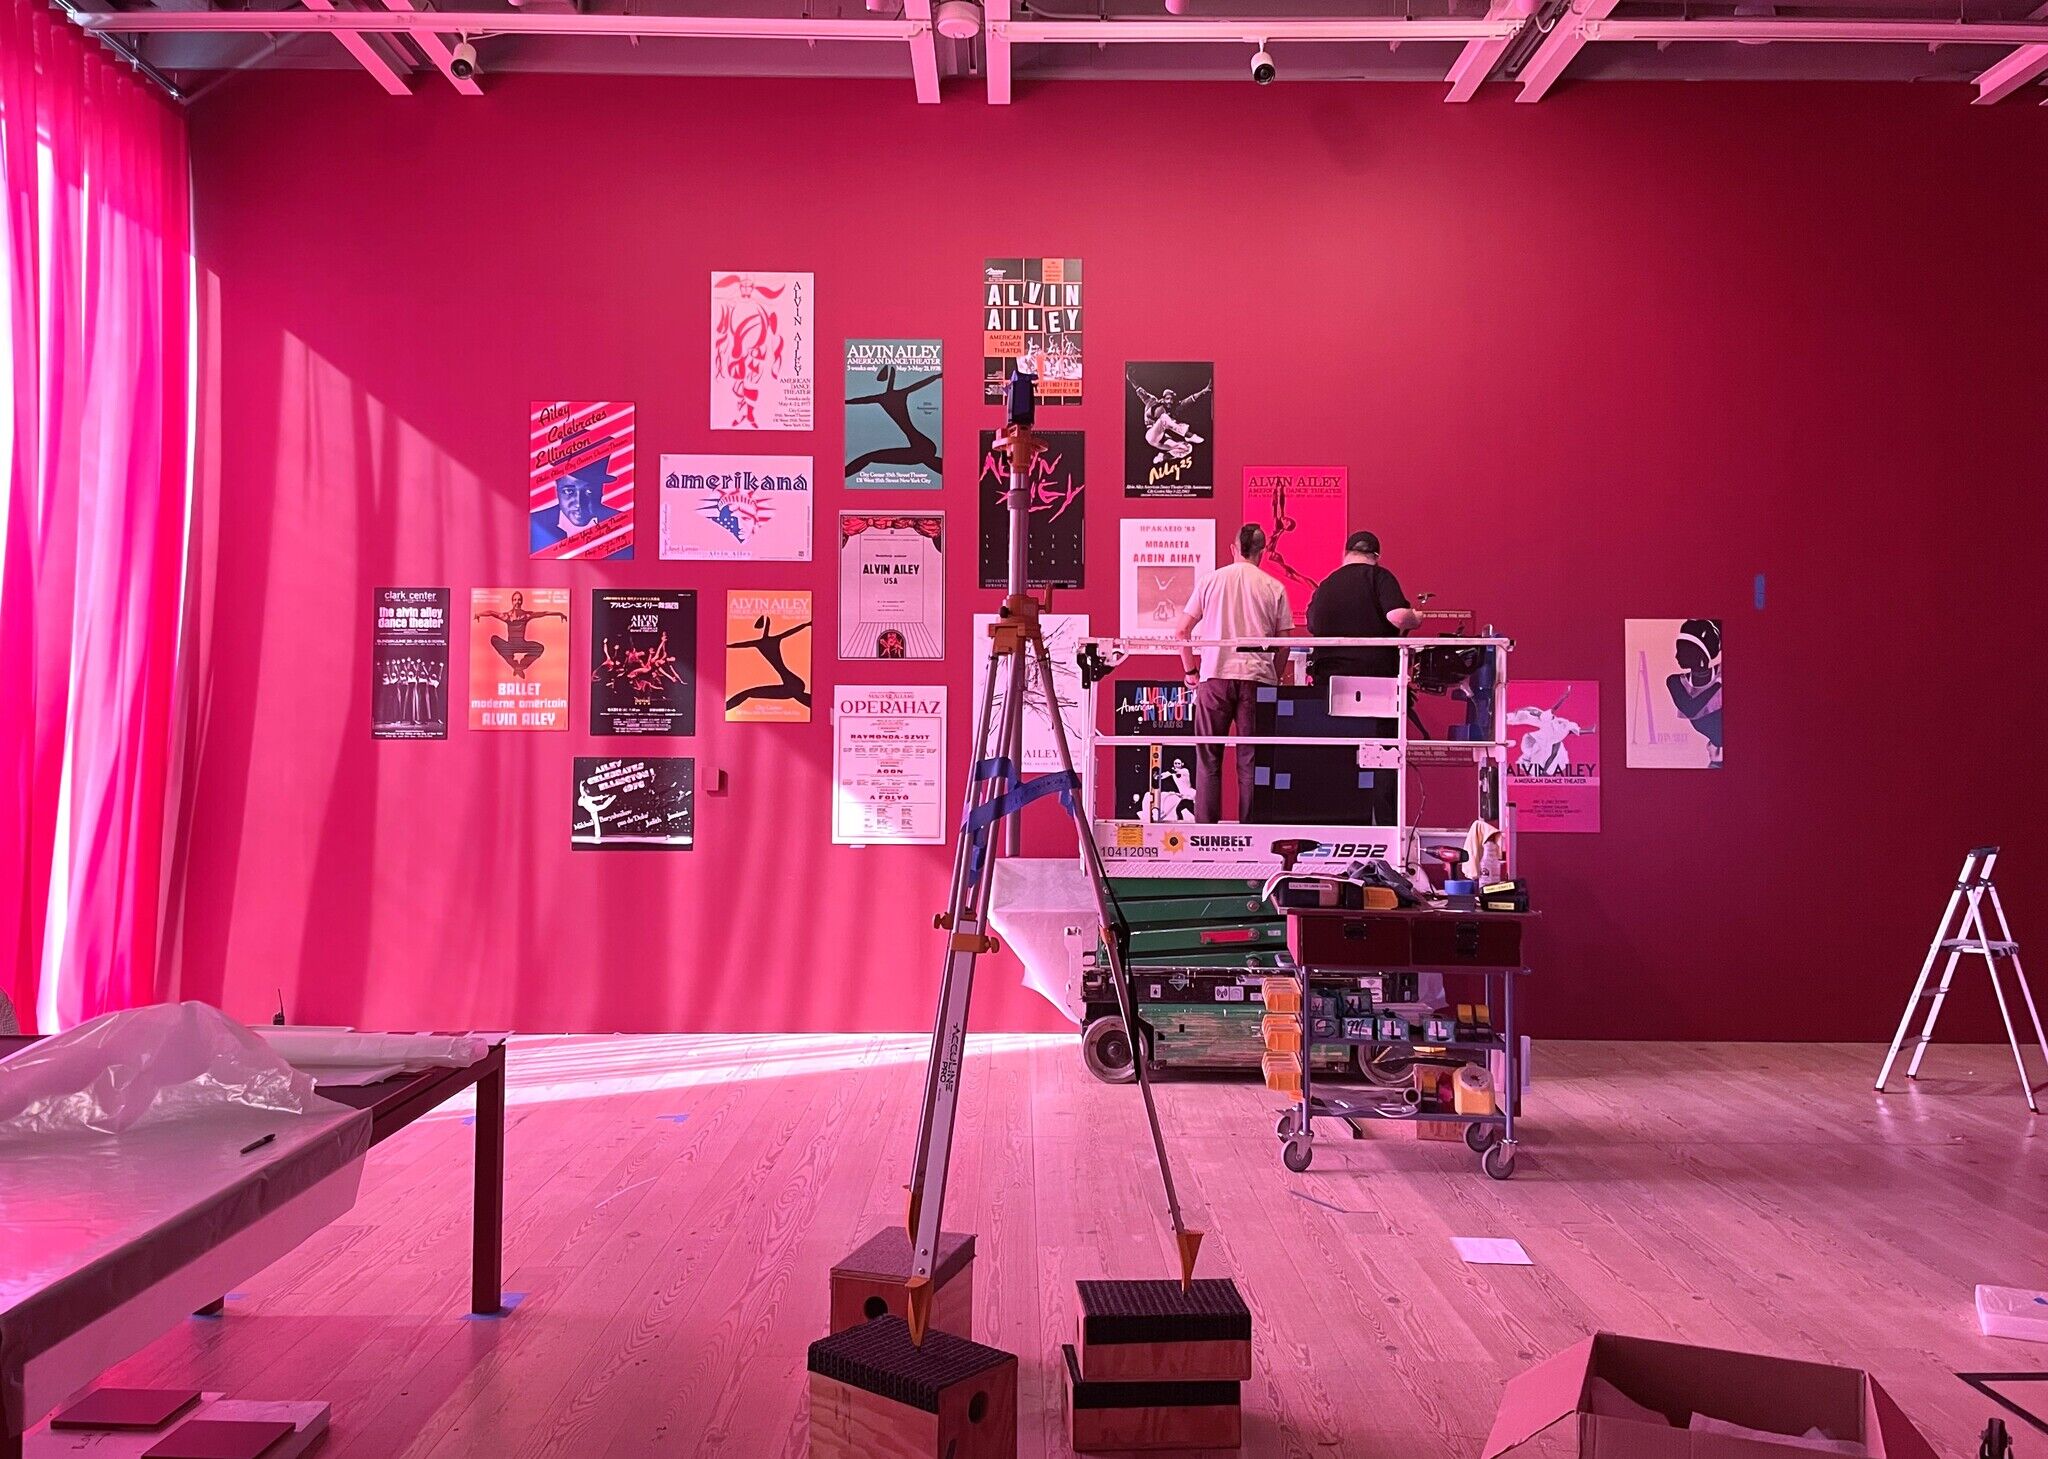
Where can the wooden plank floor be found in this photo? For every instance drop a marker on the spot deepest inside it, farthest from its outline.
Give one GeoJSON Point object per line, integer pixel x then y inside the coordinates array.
{"type": "Point", "coordinates": [674, 1205]}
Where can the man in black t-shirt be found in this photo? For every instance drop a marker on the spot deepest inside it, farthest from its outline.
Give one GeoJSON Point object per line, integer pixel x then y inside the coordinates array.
{"type": "Point", "coordinates": [1361, 599]}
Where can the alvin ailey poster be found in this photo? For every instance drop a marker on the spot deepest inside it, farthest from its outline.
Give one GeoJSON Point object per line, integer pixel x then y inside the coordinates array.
{"type": "Point", "coordinates": [1303, 509]}
{"type": "Point", "coordinates": [889, 765]}
{"type": "Point", "coordinates": [1156, 572]}
{"type": "Point", "coordinates": [892, 585]}
{"type": "Point", "coordinates": [1058, 511]}
{"type": "Point", "coordinates": [519, 659]}
{"type": "Point", "coordinates": [895, 413]}
{"type": "Point", "coordinates": [1169, 429]}
{"type": "Point", "coordinates": [1063, 635]}
{"type": "Point", "coordinates": [762, 356]}
{"type": "Point", "coordinates": [633, 803]}
{"type": "Point", "coordinates": [1672, 675]}
{"type": "Point", "coordinates": [736, 508]}
{"type": "Point", "coordinates": [409, 664]}
{"type": "Point", "coordinates": [580, 479]}
{"type": "Point", "coordinates": [1031, 309]}
{"type": "Point", "coordinates": [643, 661]}
{"type": "Point", "coordinates": [1155, 782]}
{"type": "Point", "coordinates": [768, 657]}
{"type": "Point", "coordinates": [1554, 759]}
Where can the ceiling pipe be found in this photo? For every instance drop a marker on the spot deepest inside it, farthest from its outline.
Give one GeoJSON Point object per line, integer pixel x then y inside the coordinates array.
{"type": "Point", "coordinates": [1835, 32]}
{"type": "Point", "coordinates": [1251, 32]}
{"type": "Point", "coordinates": [489, 23]}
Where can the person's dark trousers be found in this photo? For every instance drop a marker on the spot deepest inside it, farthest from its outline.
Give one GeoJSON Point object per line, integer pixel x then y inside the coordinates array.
{"type": "Point", "coordinates": [1223, 707]}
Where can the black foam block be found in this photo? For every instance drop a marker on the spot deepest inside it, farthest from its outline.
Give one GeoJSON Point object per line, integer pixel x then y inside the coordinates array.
{"type": "Point", "coordinates": [878, 1357]}
{"type": "Point", "coordinates": [1136, 1312]}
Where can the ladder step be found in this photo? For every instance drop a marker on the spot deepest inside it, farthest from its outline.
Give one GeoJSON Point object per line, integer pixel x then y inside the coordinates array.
{"type": "Point", "coordinates": [1971, 944]}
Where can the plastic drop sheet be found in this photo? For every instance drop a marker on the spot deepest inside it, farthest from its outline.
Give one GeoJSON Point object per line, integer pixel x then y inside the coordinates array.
{"type": "Point", "coordinates": [1032, 902]}
{"type": "Point", "coordinates": [322, 1050]}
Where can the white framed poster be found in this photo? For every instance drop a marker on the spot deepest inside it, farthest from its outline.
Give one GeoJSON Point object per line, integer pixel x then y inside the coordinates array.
{"type": "Point", "coordinates": [1063, 635]}
{"type": "Point", "coordinates": [1161, 559]}
{"type": "Point", "coordinates": [763, 365]}
{"type": "Point", "coordinates": [889, 765]}
{"type": "Point", "coordinates": [736, 508]}
{"type": "Point", "coordinates": [1672, 675]}
{"type": "Point", "coordinates": [892, 585]}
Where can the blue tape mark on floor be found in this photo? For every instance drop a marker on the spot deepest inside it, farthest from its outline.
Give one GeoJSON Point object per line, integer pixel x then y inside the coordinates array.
{"type": "Point", "coordinates": [672, 1119]}
{"type": "Point", "coordinates": [1759, 592]}
{"type": "Point", "coordinates": [506, 1302]}
{"type": "Point", "coordinates": [469, 1119]}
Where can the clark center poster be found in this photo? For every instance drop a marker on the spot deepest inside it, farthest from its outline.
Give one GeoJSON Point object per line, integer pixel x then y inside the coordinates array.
{"type": "Point", "coordinates": [894, 414]}
{"type": "Point", "coordinates": [1554, 763]}
{"type": "Point", "coordinates": [892, 585]}
{"type": "Point", "coordinates": [736, 508]}
{"type": "Point", "coordinates": [409, 664]}
{"type": "Point", "coordinates": [1672, 674]}
{"type": "Point", "coordinates": [643, 662]}
{"type": "Point", "coordinates": [634, 804]}
{"type": "Point", "coordinates": [519, 659]}
{"type": "Point", "coordinates": [1161, 559]}
{"type": "Point", "coordinates": [1031, 310]}
{"type": "Point", "coordinates": [768, 657]}
{"type": "Point", "coordinates": [1055, 556]}
{"type": "Point", "coordinates": [889, 764]}
{"type": "Point", "coordinates": [1063, 635]}
{"type": "Point", "coordinates": [762, 364]}
{"type": "Point", "coordinates": [1303, 509]}
{"type": "Point", "coordinates": [1169, 429]}
{"type": "Point", "coordinates": [580, 479]}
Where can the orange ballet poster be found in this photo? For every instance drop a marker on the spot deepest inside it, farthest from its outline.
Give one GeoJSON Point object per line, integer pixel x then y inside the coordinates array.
{"type": "Point", "coordinates": [768, 657]}
{"type": "Point", "coordinates": [519, 658]}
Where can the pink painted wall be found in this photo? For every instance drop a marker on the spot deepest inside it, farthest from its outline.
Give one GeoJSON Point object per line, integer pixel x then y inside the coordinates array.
{"type": "Point", "coordinates": [1611, 356]}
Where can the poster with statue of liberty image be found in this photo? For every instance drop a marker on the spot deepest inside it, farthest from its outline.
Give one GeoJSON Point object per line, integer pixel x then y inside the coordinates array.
{"type": "Point", "coordinates": [763, 369]}
{"type": "Point", "coordinates": [736, 508]}
{"type": "Point", "coordinates": [633, 803]}
{"type": "Point", "coordinates": [895, 414]}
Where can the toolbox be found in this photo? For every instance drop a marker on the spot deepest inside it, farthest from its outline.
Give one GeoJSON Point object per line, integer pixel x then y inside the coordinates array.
{"type": "Point", "coordinates": [1405, 938]}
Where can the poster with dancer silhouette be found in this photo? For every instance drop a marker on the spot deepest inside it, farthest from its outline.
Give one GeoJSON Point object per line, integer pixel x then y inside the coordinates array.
{"type": "Point", "coordinates": [1170, 429]}
{"type": "Point", "coordinates": [762, 365]}
{"type": "Point", "coordinates": [1156, 571]}
{"type": "Point", "coordinates": [409, 664]}
{"type": "Point", "coordinates": [892, 585]}
{"type": "Point", "coordinates": [1672, 677]}
{"type": "Point", "coordinates": [1031, 309]}
{"type": "Point", "coordinates": [894, 413]}
{"type": "Point", "coordinates": [1057, 550]}
{"type": "Point", "coordinates": [1554, 754]}
{"type": "Point", "coordinates": [580, 480]}
{"type": "Point", "coordinates": [633, 804]}
{"type": "Point", "coordinates": [768, 657]}
{"type": "Point", "coordinates": [736, 508]}
{"type": "Point", "coordinates": [1155, 782]}
{"type": "Point", "coordinates": [1063, 635]}
{"type": "Point", "coordinates": [1304, 511]}
{"type": "Point", "coordinates": [643, 661]}
{"type": "Point", "coordinates": [519, 659]}
{"type": "Point", "coordinates": [889, 765]}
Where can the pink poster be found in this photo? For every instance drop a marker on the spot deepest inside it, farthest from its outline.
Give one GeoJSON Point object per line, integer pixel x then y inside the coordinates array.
{"type": "Point", "coordinates": [580, 479]}
{"type": "Point", "coordinates": [1554, 754]}
{"type": "Point", "coordinates": [1304, 510]}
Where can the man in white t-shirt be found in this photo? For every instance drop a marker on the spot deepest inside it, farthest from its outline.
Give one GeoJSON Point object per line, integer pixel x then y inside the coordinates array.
{"type": "Point", "coordinates": [1242, 600]}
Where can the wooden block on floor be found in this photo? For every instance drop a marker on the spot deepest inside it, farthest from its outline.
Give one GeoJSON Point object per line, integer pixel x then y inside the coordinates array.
{"type": "Point", "coordinates": [868, 1282]}
{"type": "Point", "coordinates": [1153, 1332]}
{"type": "Point", "coordinates": [876, 1396]}
{"type": "Point", "coordinates": [307, 1421]}
{"type": "Point", "coordinates": [1113, 1417]}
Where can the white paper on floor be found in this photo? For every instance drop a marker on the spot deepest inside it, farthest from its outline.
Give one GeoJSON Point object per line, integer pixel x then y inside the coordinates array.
{"type": "Point", "coordinates": [1491, 1251]}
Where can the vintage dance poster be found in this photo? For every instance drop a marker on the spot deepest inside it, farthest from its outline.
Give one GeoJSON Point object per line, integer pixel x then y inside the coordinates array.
{"type": "Point", "coordinates": [768, 657]}
{"type": "Point", "coordinates": [1155, 782]}
{"type": "Point", "coordinates": [1156, 571]}
{"type": "Point", "coordinates": [643, 661]}
{"type": "Point", "coordinates": [892, 585]}
{"type": "Point", "coordinates": [1063, 635]}
{"type": "Point", "coordinates": [1169, 429]}
{"type": "Point", "coordinates": [895, 414]}
{"type": "Point", "coordinates": [1056, 553]}
{"type": "Point", "coordinates": [1672, 677]}
{"type": "Point", "coordinates": [1554, 765]}
{"type": "Point", "coordinates": [1031, 310]}
{"type": "Point", "coordinates": [1303, 509]}
{"type": "Point", "coordinates": [634, 804]}
{"type": "Point", "coordinates": [889, 764]}
{"type": "Point", "coordinates": [736, 508]}
{"type": "Point", "coordinates": [763, 364]}
{"type": "Point", "coordinates": [409, 665]}
{"type": "Point", "coordinates": [580, 479]}
{"type": "Point", "coordinates": [519, 659]}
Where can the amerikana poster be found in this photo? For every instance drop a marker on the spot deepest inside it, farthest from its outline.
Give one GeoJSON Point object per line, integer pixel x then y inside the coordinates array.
{"type": "Point", "coordinates": [1672, 675]}
{"type": "Point", "coordinates": [519, 659]}
{"type": "Point", "coordinates": [895, 413]}
{"type": "Point", "coordinates": [643, 661]}
{"type": "Point", "coordinates": [1155, 782]}
{"type": "Point", "coordinates": [1304, 511]}
{"type": "Point", "coordinates": [889, 764]}
{"type": "Point", "coordinates": [409, 664]}
{"type": "Point", "coordinates": [580, 479]}
{"type": "Point", "coordinates": [1156, 571]}
{"type": "Point", "coordinates": [1554, 759]}
{"type": "Point", "coordinates": [762, 364]}
{"type": "Point", "coordinates": [1056, 554]}
{"type": "Point", "coordinates": [1063, 635]}
{"type": "Point", "coordinates": [1031, 309]}
{"type": "Point", "coordinates": [634, 804]}
{"type": "Point", "coordinates": [1170, 429]}
{"type": "Point", "coordinates": [736, 508]}
{"type": "Point", "coordinates": [892, 585]}
{"type": "Point", "coordinates": [768, 657]}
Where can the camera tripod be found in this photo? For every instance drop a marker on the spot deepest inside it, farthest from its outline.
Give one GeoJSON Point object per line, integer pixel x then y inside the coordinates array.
{"type": "Point", "coordinates": [1017, 657]}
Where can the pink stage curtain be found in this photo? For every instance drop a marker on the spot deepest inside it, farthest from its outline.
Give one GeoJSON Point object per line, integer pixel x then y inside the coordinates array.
{"type": "Point", "coordinates": [97, 255]}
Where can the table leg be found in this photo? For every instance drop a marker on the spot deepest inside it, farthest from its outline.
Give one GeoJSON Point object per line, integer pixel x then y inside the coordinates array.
{"type": "Point", "coordinates": [213, 1308]}
{"type": "Point", "coordinates": [486, 1283]}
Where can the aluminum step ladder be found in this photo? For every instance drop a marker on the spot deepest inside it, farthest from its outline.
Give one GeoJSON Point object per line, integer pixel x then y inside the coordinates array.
{"type": "Point", "coordinates": [1991, 941]}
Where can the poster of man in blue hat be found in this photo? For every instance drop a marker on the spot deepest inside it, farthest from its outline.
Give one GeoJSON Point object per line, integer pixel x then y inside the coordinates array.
{"type": "Point", "coordinates": [580, 489]}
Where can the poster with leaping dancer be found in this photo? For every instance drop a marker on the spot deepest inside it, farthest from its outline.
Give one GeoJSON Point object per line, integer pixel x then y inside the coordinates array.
{"type": "Point", "coordinates": [1672, 674]}
{"type": "Point", "coordinates": [768, 657]}
{"type": "Point", "coordinates": [1303, 510]}
{"type": "Point", "coordinates": [643, 661]}
{"type": "Point", "coordinates": [1063, 634]}
{"type": "Point", "coordinates": [895, 414]}
{"type": "Point", "coordinates": [633, 804]}
{"type": "Point", "coordinates": [580, 479]}
{"type": "Point", "coordinates": [762, 366]}
{"type": "Point", "coordinates": [1169, 429]}
{"type": "Point", "coordinates": [519, 659]}
{"type": "Point", "coordinates": [409, 664]}
{"type": "Point", "coordinates": [1554, 755]}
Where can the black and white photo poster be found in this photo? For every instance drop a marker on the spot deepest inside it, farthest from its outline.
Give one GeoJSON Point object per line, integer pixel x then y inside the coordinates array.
{"type": "Point", "coordinates": [409, 664]}
{"type": "Point", "coordinates": [643, 662]}
{"type": "Point", "coordinates": [889, 765]}
{"type": "Point", "coordinates": [633, 804]}
{"type": "Point", "coordinates": [1169, 428]}
{"type": "Point", "coordinates": [1057, 508]}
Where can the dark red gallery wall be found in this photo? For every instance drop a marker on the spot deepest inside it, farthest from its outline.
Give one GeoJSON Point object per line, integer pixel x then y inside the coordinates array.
{"type": "Point", "coordinates": [1610, 356]}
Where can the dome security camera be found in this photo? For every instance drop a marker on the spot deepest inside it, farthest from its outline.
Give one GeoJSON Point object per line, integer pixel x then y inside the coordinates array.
{"type": "Point", "coordinates": [462, 61]}
{"type": "Point", "coordinates": [1263, 69]}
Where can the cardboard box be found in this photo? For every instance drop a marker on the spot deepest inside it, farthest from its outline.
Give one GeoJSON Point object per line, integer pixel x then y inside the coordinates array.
{"type": "Point", "coordinates": [1772, 1395]}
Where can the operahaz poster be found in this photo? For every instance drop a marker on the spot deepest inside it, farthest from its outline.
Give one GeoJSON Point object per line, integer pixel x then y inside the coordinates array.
{"type": "Point", "coordinates": [1672, 674]}
{"type": "Point", "coordinates": [1156, 572]}
{"type": "Point", "coordinates": [894, 414]}
{"type": "Point", "coordinates": [409, 664]}
{"type": "Point", "coordinates": [634, 804]}
{"type": "Point", "coordinates": [643, 661]}
{"type": "Point", "coordinates": [580, 479]}
{"type": "Point", "coordinates": [1055, 556]}
{"type": "Point", "coordinates": [889, 764]}
{"type": "Point", "coordinates": [736, 508]}
{"type": "Point", "coordinates": [892, 585]}
{"type": "Point", "coordinates": [519, 659]}
{"type": "Point", "coordinates": [1554, 759]}
{"type": "Point", "coordinates": [1155, 782]}
{"type": "Point", "coordinates": [768, 657]}
{"type": "Point", "coordinates": [761, 354]}
{"type": "Point", "coordinates": [1031, 310]}
{"type": "Point", "coordinates": [1063, 635]}
{"type": "Point", "coordinates": [1169, 429]}
{"type": "Point", "coordinates": [1303, 509]}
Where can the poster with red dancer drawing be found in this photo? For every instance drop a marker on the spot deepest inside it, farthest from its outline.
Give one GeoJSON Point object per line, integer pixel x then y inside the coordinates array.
{"type": "Point", "coordinates": [763, 365]}
{"type": "Point", "coordinates": [768, 657]}
{"type": "Point", "coordinates": [519, 658]}
{"type": "Point", "coordinates": [1303, 509]}
{"type": "Point", "coordinates": [580, 479]}
{"type": "Point", "coordinates": [1554, 755]}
